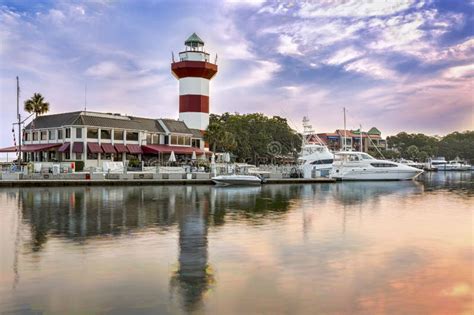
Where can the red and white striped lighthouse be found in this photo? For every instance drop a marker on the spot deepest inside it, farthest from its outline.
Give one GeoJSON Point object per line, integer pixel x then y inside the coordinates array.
{"type": "Point", "coordinates": [194, 71]}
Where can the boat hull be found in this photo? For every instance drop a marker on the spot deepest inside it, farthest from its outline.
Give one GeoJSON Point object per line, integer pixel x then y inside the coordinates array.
{"type": "Point", "coordinates": [236, 180]}
{"type": "Point", "coordinates": [375, 175]}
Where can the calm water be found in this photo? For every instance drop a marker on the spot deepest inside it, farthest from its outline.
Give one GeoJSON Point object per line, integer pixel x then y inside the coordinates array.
{"type": "Point", "coordinates": [366, 248]}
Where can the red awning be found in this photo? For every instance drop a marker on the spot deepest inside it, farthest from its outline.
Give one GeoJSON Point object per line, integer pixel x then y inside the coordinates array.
{"type": "Point", "coordinates": [161, 148]}
{"type": "Point", "coordinates": [93, 147]}
{"type": "Point", "coordinates": [8, 149]}
{"type": "Point", "coordinates": [32, 147]}
{"type": "Point", "coordinates": [134, 148]}
{"type": "Point", "coordinates": [78, 147]}
{"type": "Point", "coordinates": [64, 147]}
{"type": "Point", "coordinates": [121, 148]}
{"type": "Point", "coordinates": [108, 148]}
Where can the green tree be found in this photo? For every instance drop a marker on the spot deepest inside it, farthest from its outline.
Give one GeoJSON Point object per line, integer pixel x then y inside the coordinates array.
{"type": "Point", "coordinates": [252, 137]}
{"type": "Point", "coordinates": [37, 105]}
{"type": "Point", "coordinates": [422, 156]}
{"type": "Point", "coordinates": [458, 144]}
{"type": "Point", "coordinates": [412, 152]}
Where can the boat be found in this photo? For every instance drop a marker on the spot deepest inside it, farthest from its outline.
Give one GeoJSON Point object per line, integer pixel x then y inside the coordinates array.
{"type": "Point", "coordinates": [237, 179]}
{"type": "Point", "coordinates": [353, 165]}
{"type": "Point", "coordinates": [440, 164]}
{"type": "Point", "coordinates": [411, 163]}
{"type": "Point", "coordinates": [315, 158]}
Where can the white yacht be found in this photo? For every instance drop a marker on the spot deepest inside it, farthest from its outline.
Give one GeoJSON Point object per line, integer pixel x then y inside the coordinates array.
{"type": "Point", "coordinates": [440, 164]}
{"type": "Point", "coordinates": [350, 165]}
{"type": "Point", "coordinates": [237, 179]}
{"type": "Point", "coordinates": [412, 163]}
{"type": "Point", "coordinates": [315, 158]}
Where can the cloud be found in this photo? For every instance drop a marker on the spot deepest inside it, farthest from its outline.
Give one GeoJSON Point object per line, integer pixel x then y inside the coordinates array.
{"type": "Point", "coordinates": [352, 8]}
{"type": "Point", "coordinates": [460, 72]}
{"type": "Point", "coordinates": [343, 56]}
{"type": "Point", "coordinates": [371, 68]}
{"type": "Point", "coordinates": [287, 46]}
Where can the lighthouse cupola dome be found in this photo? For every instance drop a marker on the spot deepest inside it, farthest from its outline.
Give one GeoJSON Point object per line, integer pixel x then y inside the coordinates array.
{"type": "Point", "coordinates": [194, 42]}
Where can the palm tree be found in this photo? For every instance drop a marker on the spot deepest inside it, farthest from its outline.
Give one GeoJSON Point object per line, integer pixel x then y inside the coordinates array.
{"type": "Point", "coordinates": [37, 105]}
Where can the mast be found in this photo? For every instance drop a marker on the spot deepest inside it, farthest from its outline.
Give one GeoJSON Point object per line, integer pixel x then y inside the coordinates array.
{"type": "Point", "coordinates": [19, 120]}
{"type": "Point", "coordinates": [361, 145]}
{"type": "Point", "coordinates": [345, 131]}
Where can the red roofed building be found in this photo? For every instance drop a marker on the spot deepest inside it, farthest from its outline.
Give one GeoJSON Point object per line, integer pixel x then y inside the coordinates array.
{"type": "Point", "coordinates": [370, 139]}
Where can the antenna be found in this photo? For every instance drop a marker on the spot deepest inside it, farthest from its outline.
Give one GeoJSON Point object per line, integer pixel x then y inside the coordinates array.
{"type": "Point", "coordinates": [215, 60]}
{"type": "Point", "coordinates": [172, 56]}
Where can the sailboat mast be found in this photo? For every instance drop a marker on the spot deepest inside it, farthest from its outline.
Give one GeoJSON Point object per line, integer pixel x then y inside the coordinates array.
{"type": "Point", "coordinates": [19, 120]}
{"type": "Point", "coordinates": [361, 145]}
{"type": "Point", "coordinates": [345, 131]}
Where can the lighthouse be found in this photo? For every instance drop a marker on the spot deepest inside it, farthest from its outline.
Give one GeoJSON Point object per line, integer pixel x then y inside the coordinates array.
{"type": "Point", "coordinates": [194, 71]}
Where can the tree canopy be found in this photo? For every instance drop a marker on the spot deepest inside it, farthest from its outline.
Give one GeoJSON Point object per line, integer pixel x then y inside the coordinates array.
{"type": "Point", "coordinates": [37, 105]}
{"type": "Point", "coordinates": [251, 137]}
{"type": "Point", "coordinates": [420, 147]}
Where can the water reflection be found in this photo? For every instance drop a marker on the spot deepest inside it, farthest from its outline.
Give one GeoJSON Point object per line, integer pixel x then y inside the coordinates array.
{"type": "Point", "coordinates": [85, 216]}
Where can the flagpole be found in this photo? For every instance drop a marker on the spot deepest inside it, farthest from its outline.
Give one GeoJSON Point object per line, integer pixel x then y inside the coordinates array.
{"type": "Point", "coordinates": [19, 120]}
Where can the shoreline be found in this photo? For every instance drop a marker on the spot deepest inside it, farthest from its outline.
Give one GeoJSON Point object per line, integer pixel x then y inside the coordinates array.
{"type": "Point", "coordinates": [143, 182]}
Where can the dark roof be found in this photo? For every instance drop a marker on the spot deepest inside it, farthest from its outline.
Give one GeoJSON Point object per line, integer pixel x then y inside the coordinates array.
{"type": "Point", "coordinates": [92, 119]}
{"type": "Point", "coordinates": [196, 133]}
{"type": "Point", "coordinates": [51, 121]}
{"type": "Point", "coordinates": [176, 126]}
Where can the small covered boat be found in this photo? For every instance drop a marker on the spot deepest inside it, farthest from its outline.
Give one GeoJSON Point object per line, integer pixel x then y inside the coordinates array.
{"type": "Point", "coordinates": [237, 179]}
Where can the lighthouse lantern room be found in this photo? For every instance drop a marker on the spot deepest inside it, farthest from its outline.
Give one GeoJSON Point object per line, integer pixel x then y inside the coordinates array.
{"type": "Point", "coordinates": [194, 71]}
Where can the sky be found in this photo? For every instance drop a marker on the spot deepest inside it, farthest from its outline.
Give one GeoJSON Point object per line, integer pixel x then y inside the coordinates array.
{"type": "Point", "coordinates": [398, 65]}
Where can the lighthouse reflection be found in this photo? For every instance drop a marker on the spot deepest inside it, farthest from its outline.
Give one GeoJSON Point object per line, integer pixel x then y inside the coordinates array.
{"type": "Point", "coordinates": [181, 218]}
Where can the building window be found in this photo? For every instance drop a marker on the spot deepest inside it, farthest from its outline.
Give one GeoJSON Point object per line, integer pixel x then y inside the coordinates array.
{"type": "Point", "coordinates": [78, 156]}
{"type": "Point", "coordinates": [174, 140]}
{"type": "Point", "coordinates": [105, 134]}
{"type": "Point", "coordinates": [132, 136]}
{"type": "Point", "coordinates": [78, 133]}
{"type": "Point", "coordinates": [92, 133]}
{"type": "Point", "coordinates": [149, 138]}
{"type": "Point", "coordinates": [26, 136]}
{"type": "Point", "coordinates": [92, 156]}
{"type": "Point", "coordinates": [118, 135]}
{"type": "Point", "coordinates": [35, 136]}
{"type": "Point", "coordinates": [118, 157]}
{"type": "Point", "coordinates": [68, 133]}
{"type": "Point", "coordinates": [187, 141]}
{"type": "Point", "coordinates": [52, 134]}
{"type": "Point", "coordinates": [60, 133]}
{"type": "Point", "coordinates": [44, 135]}
{"type": "Point", "coordinates": [67, 155]}
{"type": "Point", "coordinates": [196, 143]}
{"type": "Point", "coordinates": [106, 156]}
